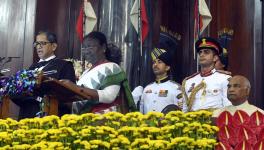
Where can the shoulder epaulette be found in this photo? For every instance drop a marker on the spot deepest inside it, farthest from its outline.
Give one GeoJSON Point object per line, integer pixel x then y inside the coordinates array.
{"type": "Point", "coordinates": [179, 85]}
{"type": "Point", "coordinates": [224, 72]}
{"type": "Point", "coordinates": [174, 82]}
{"type": "Point", "coordinates": [191, 76]}
{"type": "Point", "coordinates": [150, 83]}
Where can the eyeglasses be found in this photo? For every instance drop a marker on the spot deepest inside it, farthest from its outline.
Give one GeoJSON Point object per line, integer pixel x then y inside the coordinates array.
{"type": "Point", "coordinates": [40, 44]}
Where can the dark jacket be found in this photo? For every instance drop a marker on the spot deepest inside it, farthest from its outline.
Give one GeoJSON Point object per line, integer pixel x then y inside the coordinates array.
{"type": "Point", "coordinates": [29, 106]}
{"type": "Point", "coordinates": [64, 69]}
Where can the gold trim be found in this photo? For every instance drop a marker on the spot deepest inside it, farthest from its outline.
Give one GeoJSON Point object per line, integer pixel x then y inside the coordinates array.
{"type": "Point", "coordinates": [190, 100]}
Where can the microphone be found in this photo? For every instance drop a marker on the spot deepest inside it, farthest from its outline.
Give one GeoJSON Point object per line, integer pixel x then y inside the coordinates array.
{"type": "Point", "coordinates": [50, 72]}
{"type": "Point", "coordinates": [5, 70]}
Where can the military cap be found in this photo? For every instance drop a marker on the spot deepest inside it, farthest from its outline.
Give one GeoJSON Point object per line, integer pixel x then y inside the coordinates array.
{"type": "Point", "coordinates": [209, 43]}
{"type": "Point", "coordinates": [162, 54]}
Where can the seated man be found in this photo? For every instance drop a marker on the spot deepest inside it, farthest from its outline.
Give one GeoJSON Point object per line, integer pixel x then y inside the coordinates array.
{"type": "Point", "coordinates": [238, 93]}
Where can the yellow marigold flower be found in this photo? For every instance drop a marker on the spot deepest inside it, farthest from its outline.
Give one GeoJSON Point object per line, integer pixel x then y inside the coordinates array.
{"type": "Point", "coordinates": [7, 147]}
{"type": "Point", "coordinates": [124, 140]}
{"type": "Point", "coordinates": [113, 115]}
{"type": "Point", "coordinates": [99, 131]}
{"type": "Point", "coordinates": [160, 138]}
{"type": "Point", "coordinates": [167, 128]}
{"type": "Point", "coordinates": [22, 147]}
{"type": "Point", "coordinates": [186, 129]}
{"type": "Point", "coordinates": [54, 131]}
{"type": "Point", "coordinates": [139, 142]}
{"type": "Point", "coordinates": [3, 126]}
{"type": "Point", "coordinates": [206, 113]}
{"type": "Point", "coordinates": [70, 117]}
{"type": "Point", "coordinates": [158, 144]}
{"type": "Point", "coordinates": [97, 117]}
{"type": "Point", "coordinates": [145, 146]}
{"type": "Point", "coordinates": [4, 135]}
{"type": "Point", "coordinates": [174, 119]}
{"type": "Point", "coordinates": [87, 115]}
{"type": "Point", "coordinates": [203, 143]}
{"type": "Point", "coordinates": [144, 125]}
{"type": "Point", "coordinates": [112, 135]}
{"type": "Point", "coordinates": [114, 141]}
{"type": "Point", "coordinates": [215, 128]}
{"type": "Point", "coordinates": [179, 125]}
{"type": "Point", "coordinates": [153, 130]}
{"type": "Point", "coordinates": [94, 146]}
{"type": "Point", "coordinates": [156, 114]}
{"type": "Point", "coordinates": [68, 131]}
{"type": "Point", "coordinates": [55, 145]}
{"type": "Point", "coordinates": [100, 143]}
{"type": "Point", "coordinates": [164, 122]}
{"type": "Point", "coordinates": [40, 145]}
{"type": "Point", "coordinates": [86, 144]}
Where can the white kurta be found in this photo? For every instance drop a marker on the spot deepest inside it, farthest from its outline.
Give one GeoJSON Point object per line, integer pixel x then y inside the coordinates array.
{"type": "Point", "coordinates": [212, 96]}
{"type": "Point", "coordinates": [157, 96]}
{"type": "Point", "coordinates": [94, 78]}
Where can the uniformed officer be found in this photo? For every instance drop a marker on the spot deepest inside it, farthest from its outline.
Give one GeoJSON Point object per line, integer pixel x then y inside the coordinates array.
{"type": "Point", "coordinates": [163, 92]}
{"type": "Point", "coordinates": [206, 89]}
{"type": "Point", "coordinates": [222, 61]}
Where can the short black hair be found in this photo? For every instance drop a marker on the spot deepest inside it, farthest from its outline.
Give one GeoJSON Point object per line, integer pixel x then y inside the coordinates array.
{"type": "Point", "coordinates": [51, 37]}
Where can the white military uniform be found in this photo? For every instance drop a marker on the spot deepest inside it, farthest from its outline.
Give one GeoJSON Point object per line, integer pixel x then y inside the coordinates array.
{"type": "Point", "coordinates": [156, 96]}
{"type": "Point", "coordinates": [205, 92]}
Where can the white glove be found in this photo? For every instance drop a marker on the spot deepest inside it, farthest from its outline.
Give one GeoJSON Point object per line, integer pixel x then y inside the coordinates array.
{"type": "Point", "coordinates": [137, 93]}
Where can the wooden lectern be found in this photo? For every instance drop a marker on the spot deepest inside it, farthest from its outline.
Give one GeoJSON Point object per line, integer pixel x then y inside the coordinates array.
{"type": "Point", "coordinates": [57, 93]}
{"type": "Point", "coordinates": [60, 93]}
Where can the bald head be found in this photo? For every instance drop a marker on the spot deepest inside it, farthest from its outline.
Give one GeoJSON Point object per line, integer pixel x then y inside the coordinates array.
{"type": "Point", "coordinates": [238, 89]}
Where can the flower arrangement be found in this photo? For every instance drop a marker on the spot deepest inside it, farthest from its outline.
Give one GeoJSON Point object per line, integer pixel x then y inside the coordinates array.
{"type": "Point", "coordinates": [22, 83]}
{"type": "Point", "coordinates": [240, 130]}
{"type": "Point", "coordinates": [110, 131]}
{"type": "Point", "coordinates": [78, 66]}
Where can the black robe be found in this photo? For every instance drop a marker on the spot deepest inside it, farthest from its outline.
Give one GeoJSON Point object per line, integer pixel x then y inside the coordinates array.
{"type": "Point", "coordinates": [29, 106]}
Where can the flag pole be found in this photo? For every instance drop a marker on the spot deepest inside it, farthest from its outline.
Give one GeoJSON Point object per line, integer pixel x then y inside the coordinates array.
{"type": "Point", "coordinates": [82, 58]}
{"type": "Point", "coordinates": [140, 28]}
{"type": "Point", "coordinates": [197, 27]}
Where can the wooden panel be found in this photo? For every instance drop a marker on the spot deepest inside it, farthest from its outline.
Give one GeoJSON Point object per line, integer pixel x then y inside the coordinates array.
{"type": "Point", "coordinates": [177, 17]}
{"type": "Point", "coordinates": [244, 17]}
{"type": "Point", "coordinates": [12, 32]}
{"type": "Point", "coordinates": [53, 16]}
{"type": "Point", "coordinates": [60, 17]}
{"type": "Point", "coordinates": [257, 91]}
{"type": "Point", "coordinates": [29, 33]}
{"type": "Point", "coordinates": [16, 28]}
